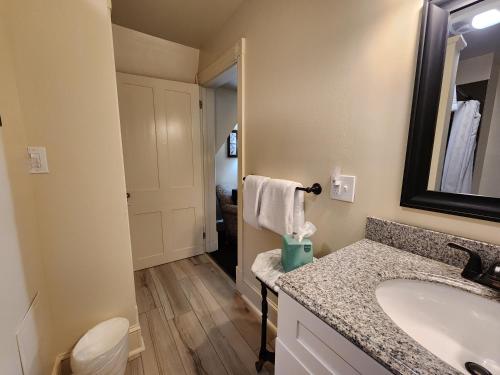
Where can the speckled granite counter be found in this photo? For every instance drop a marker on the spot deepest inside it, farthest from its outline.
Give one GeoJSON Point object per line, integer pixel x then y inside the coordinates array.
{"type": "Point", "coordinates": [340, 290]}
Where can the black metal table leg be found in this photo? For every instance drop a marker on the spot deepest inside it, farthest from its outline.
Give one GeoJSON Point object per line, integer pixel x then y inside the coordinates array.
{"type": "Point", "coordinates": [264, 354]}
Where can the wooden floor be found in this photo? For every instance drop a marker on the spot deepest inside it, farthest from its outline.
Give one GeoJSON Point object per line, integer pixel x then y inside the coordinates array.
{"type": "Point", "coordinates": [194, 322]}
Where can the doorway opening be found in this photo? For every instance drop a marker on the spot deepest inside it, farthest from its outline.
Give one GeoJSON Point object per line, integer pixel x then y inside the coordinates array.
{"type": "Point", "coordinates": [221, 105]}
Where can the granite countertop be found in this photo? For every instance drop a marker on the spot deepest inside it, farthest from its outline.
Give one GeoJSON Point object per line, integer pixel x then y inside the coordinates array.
{"type": "Point", "coordinates": [340, 290]}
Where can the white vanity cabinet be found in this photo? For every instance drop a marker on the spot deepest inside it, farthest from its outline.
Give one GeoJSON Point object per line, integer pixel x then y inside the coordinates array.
{"type": "Point", "coordinates": [307, 345]}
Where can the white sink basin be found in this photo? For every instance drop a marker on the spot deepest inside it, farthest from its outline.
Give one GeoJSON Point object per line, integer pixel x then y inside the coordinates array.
{"type": "Point", "coordinates": [454, 325]}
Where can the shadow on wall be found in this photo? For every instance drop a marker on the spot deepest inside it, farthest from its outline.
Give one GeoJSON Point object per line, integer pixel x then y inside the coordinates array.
{"type": "Point", "coordinates": [26, 322]}
{"type": "Point", "coordinates": [75, 217]}
{"type": "Point", "coordinates": [226, 168]}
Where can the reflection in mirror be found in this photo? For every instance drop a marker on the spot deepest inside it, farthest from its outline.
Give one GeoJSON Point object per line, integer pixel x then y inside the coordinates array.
{"type": "Point", "coordinates": [466, 150]}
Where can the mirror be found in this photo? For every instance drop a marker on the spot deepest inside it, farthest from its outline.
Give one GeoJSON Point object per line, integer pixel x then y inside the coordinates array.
{"type": "Point", "coordinates": [453, 153]}
{"type": "Point", "coordinates": [466, 149]}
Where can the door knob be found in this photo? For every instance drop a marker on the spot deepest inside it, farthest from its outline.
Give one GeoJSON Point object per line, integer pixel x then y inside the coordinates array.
{"type": "Point", "coordinates": [128, 195]}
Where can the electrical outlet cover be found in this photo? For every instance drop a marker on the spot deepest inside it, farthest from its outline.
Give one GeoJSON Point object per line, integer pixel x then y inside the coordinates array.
{"type": "Point", "coordinates": [347, 189]}
{"type": "Point", "coordinates": [37, 157]}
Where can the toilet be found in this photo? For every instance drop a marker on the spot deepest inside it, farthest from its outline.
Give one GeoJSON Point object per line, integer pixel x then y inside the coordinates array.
{"type": "Point", "coordinates": [103, 350]}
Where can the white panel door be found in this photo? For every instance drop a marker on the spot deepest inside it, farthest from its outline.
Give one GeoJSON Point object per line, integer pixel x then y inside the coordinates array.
{"type": "Point", "coordinates": [161, 135]}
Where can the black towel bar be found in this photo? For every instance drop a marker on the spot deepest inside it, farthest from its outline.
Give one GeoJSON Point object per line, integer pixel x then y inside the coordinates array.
{"type": "Point", "coordinates": [316, 188]}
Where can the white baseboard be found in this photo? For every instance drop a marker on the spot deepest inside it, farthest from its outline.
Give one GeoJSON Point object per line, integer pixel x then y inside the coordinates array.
{"type": "Point", "coordinates": [271, 306]}
{"type": "Point", "coordinates": [136, 346]}
{"type": "Point", "coordinates": [135, 342]}
{"type": "Point", "coordinates": [251, 295]}
{"type": "Point", "coordinates": [56, 369]}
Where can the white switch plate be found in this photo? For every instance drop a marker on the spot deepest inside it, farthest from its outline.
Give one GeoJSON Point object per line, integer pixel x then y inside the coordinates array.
{"type": "Point", "coordinates": [344, 192]}
{"type": "Point", "coordinates": [37, 157]}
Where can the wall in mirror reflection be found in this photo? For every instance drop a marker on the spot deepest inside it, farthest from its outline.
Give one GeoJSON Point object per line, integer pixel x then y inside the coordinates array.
{"type": "Point", "coordinates": [466, 152]}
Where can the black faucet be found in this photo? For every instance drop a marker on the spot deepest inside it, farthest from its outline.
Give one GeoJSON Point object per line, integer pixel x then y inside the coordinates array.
{"type": "Point", "coordinates": [473, 270]}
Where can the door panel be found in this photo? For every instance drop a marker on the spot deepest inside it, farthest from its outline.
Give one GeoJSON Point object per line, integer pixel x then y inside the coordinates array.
{"type": "Point", "coordinates": [179, 139]}
{"type": "Point", "coordinates": [161, 134]}
{"type": "Point", "coordinates": [137, 113]}
{"type": "Point", "coordinates": [146, 231]}
{"type": "Point", "coordinates": [184, 225]}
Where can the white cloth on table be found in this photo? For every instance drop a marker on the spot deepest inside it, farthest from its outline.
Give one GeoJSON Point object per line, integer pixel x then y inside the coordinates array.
{"type": "Point", "coordinates": [267, 267]}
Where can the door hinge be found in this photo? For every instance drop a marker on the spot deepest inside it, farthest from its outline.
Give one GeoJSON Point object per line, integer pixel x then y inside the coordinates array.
{"type": "Point", "coordinates": [204, 235]}
{"type": "Point", "coordinates": [201, 104]}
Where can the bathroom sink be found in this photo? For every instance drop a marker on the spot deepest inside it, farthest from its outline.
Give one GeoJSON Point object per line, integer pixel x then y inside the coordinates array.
{"type": "Point", "coordinates": [454, 325]}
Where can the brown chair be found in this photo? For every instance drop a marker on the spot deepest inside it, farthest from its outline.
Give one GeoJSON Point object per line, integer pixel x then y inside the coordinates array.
{"type": "Point", "coordinates": [229, 212]}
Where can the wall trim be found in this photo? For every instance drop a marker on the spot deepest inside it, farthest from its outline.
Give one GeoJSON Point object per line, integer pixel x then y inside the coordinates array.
{"type": "Point", "coordinates": [207, 116]}
{"type": "Point", "coordinates": [56, 369]}
{"type": "Point", "coordinates": [134, 335]}
{"type": "Point", "coordinates": [251, 294]}
{"type": "Point", "coordinates": [273, 310]}
{"type": "Point", "coordinates": [236, 55]}
{"type": "Point", "coordinates": [232, 56]}
{"type": "Point", "coordinates": [222, 63]}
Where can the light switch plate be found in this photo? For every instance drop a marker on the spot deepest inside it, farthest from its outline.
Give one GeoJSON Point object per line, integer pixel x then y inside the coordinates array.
{"type": "Point", "coordinates": [346, 191]}
{"type": "Point", "coordinates": [37, 157]}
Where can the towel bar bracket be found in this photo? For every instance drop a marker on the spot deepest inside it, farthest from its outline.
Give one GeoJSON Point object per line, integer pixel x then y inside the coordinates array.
{"type": "Point", "coordinates": [316, 189]}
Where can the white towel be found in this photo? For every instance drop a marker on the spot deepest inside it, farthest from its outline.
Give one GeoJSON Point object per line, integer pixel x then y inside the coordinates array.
{"type": "Point", "coordinates": [282, 207]}
{"type": "Point", "coordinates": [252, 194]}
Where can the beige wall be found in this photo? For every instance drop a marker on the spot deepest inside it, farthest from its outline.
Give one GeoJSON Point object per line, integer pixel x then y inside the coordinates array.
{"type": "Point", "coordinates": [330, 83]}
{"type": "Point", "coordinates": [146, 55]}
{"type": "Point", "coordinates": [225, 114]}
{"type": "Point", "coordinates": [21, 266]}
{"type": "Point", "coordinates": [475, 69]}
{"type": "Point", "coordinates": [490, 172]}
{"type": "Point", "coordinates": [64, 65]}
{"type": "Point", "coordinates": [226, 169]}
{"type": "Point", "coordinates": [453, 47]}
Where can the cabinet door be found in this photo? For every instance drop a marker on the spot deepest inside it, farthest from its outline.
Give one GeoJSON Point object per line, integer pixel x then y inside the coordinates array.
{"type": "Point", "coordinates": [316, 346]}
{"type": "Point", "coordinates": [288, 364]}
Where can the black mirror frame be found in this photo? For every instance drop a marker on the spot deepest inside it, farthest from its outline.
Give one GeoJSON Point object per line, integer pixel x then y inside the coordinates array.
{"type": "Point", "coordinates": [426, 94]}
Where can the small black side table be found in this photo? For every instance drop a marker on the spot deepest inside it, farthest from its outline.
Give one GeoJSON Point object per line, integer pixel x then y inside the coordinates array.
{"type": "Point", "coordinates": [264, 354]}
{"type": "Point", "coordinates": [267, 268]}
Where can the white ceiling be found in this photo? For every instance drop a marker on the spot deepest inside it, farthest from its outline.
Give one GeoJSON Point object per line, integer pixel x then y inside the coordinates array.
{"type": "Point", "coordinates": [480, 42]}
{"type": "Point", "coordinates": [189, 22]}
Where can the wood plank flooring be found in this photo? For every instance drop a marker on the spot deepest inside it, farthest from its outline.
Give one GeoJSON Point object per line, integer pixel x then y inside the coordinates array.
{"type": "Point", "coordinates": [194, 322]}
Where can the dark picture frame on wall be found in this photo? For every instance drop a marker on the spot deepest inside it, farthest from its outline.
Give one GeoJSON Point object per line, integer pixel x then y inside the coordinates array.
{"type": "Point", "coordinates": [232, 144]}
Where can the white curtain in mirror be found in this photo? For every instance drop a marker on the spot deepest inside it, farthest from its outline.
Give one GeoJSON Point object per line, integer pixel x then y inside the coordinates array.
{"type": "Point", "coordinates": [459, 159]}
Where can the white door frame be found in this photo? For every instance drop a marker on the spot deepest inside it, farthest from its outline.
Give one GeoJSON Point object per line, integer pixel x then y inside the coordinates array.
{"type": "Point", "coordinates": [233, 56]}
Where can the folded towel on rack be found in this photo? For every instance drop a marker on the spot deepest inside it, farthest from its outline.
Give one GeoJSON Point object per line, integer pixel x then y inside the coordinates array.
{"type": "Point", "coordinates": [282, 207]}
{"type": "Point", "coordinates": [252, 194]}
